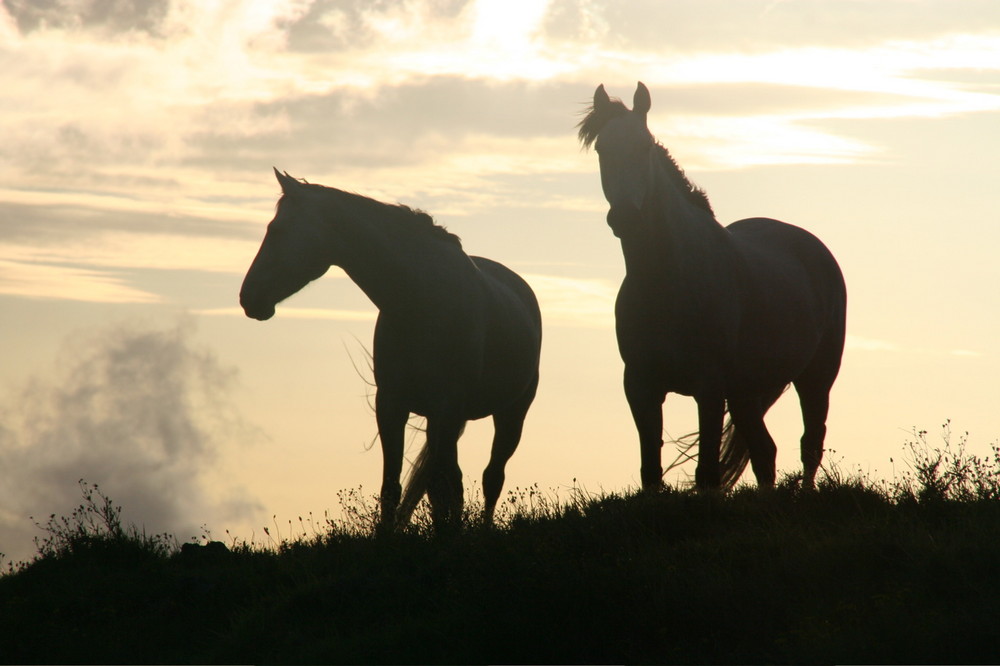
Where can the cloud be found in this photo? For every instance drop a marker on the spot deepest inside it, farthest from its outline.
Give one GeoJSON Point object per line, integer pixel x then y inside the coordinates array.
{"type": "Point", "coordinates": [751, 26]}
{"type": "Point", "coordinates": [403, 127]}
{"type": "Point", "coordinates": [82, 253]}
{"type": "Point", "coordinates": [48, 281]}
{"type": "Point", "coordinates": [140, 250]}
{"type": "Point", "coordinates": [112, 16]}
{"type": "Point", "coordinates": [172, 112]}
{"type": "Point", "coordinates": [160, 101]}
{"type": "Point", "coordinates": [370, 44]}
{"type": "Point", "coordinates": [141, 412]}
{"type": "Point", "coordinates": [341, 25]}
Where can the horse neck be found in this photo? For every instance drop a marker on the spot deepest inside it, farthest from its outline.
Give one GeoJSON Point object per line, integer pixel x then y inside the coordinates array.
{"type": "Point", "coordinates": [682, 239]}
{"type": "Point", "coordinates": [391, 263]}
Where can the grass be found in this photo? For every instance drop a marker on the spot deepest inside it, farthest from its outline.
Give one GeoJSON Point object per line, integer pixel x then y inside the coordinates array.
{"type": "Point", "coordinates": [857, 570]}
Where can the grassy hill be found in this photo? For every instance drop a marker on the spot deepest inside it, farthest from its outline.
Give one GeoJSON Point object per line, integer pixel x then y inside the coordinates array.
{"type": "Point", "coordinates": [856, 571]}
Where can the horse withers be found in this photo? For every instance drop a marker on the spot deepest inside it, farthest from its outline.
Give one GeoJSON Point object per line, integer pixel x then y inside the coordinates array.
{"type": "Point", "coordinates": [457, 337]}
{"type": "Point", "coordinates": [728, 315]}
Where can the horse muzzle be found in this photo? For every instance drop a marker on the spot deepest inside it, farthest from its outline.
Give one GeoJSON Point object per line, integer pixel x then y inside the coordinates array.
{"type": "Point", "coordinates": [256, 309]}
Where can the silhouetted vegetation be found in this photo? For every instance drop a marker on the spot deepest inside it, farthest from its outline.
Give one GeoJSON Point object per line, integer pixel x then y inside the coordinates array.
{"type": "Point", "coordinates": [854, 571]}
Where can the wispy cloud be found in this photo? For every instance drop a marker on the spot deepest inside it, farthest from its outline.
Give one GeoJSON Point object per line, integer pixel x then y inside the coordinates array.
{"type": "Point", "coordinates": [85, 253]}
{"type": "Point", "coordinates": [97, 266]}
{"type": "Point", "coordinates": [48, 281]}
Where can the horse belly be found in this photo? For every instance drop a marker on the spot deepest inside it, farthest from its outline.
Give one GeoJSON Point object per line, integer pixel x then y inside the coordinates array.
{"type": "Point", "coordinates": [425, 365]}
{"type": "Point", "coordinates": [671, 361]}
{"type": "Point", "coordinates": [465, 371]}
{"type": "Point", "coordinates": [672, 338]}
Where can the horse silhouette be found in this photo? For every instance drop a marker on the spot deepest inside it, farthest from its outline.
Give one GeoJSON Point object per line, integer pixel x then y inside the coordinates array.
{"type": "Point", "coordinates": [457, 337]}
{"type": "Point", "coordinates": [728, 315]}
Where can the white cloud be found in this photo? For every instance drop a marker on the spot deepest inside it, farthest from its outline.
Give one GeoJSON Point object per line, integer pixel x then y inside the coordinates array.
{"type": "Point", "coordinates": [735, 142]}
{"type": "Point", "coordinates": [122, 250]}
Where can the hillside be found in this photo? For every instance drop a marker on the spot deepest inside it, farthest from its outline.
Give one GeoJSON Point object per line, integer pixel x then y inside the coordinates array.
{"type": "Point", "coordinates": [854, 571]}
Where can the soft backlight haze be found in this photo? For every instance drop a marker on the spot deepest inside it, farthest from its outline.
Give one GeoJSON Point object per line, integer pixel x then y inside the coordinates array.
{"type": "Point", "coordinates": [136, 146]}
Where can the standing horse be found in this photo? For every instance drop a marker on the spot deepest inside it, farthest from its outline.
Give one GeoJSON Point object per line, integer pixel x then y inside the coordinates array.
{"type": "Point", "coordinates": [457, 337]}
{"type": "Point", "coordinates": [728, 315]}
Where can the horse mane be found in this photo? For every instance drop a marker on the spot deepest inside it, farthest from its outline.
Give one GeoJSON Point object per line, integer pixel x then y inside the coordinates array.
{"type": "Point", "coordinates": [407, 218]}
{"type": "Point", "coordinates": [594, 120]}
{"type": "Point", "coordinates": [420, 221]}
{"type": "Point", "coordinates": [694, 194]}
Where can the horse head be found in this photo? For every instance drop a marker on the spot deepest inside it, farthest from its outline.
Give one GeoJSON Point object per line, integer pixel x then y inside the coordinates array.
{"type": "Point", "coordinates": [294, 252]}
{"type": "Point", "coordinates": [623, 146]}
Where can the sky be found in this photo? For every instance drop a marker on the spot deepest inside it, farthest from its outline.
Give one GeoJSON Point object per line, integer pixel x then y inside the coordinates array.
{"type": "Point", "coordinates": [137, 141]}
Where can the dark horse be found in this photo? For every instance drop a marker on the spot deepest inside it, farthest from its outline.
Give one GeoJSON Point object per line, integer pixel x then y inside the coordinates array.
{"type": "Point", "coordinates": [457, 337]}
{"type": "Point", "coordinates": [728, 315]}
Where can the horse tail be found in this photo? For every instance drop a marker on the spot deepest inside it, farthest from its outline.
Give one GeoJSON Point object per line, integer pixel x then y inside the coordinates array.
{"type": "Point", "coordinates": [416, 486]}
{"type": "Point", "coordinates": [734, 454]}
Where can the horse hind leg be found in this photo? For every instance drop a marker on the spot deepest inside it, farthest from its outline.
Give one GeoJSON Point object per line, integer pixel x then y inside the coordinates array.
{"type": "Point", "coordinates": [507, 428]}
{"type": "Point", "coordinates": [815, 403]}
{"type": "Point", "coordinates": [813, 387]}
{"type": "Point", "coordinates": [506, 437]}
{"type": "Point", "coordinates": [748, 418]}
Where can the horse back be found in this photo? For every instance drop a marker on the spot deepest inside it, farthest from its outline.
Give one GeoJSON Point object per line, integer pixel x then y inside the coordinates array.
{"type": "Point", "coordinates": [510, 291]}
{"type": "Point", "coordinates": [514, 325]}
{"type": "Point", "coordinates": [785, 258]}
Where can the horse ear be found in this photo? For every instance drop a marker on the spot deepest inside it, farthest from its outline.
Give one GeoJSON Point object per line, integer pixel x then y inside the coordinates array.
{"type": "Point", "coordinates": [641, 101]}
{"type": "Point", "coordinates": [286, 181]}
{"type": "Point", "coordinates": [601, 98]}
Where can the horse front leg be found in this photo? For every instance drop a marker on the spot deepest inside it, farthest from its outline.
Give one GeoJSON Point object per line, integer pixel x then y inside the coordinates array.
{"type": "Point", "coordinates": [646, 404]}
{"type": "Point", "coordinates": [707, 474]}
{"type": "Point", "coordinates": [391, 417]}
{"type": "Point", "coordinates": [444, 486]}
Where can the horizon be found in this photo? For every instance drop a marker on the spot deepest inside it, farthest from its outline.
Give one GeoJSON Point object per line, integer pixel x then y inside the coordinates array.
{"type": "Point", "coordinates": [139, 140]}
